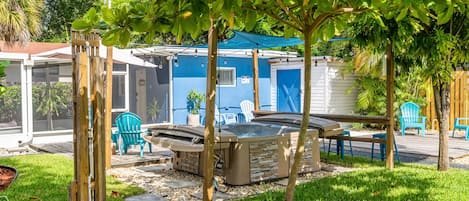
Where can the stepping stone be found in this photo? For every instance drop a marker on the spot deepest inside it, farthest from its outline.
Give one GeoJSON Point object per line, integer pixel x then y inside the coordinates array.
{"type": "Point", "coordinates": [145, 197]}
{"type": "Point", "coordinates": [179, 184]}
{"type": "Point", "coordinates": [216, 196]}
{"type": "Point", "coordinates": [284, 182]}
{"type": "Point", "coordinates": [328, 168]}
{"type": "Point", "coordinates": [155, 168]}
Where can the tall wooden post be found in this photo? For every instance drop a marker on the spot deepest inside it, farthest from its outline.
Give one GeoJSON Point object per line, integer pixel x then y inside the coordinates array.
{"type": "Point", "coordinates": [88, 162]}
{"type": "Point", "coordinates": [108, 113]}
{"type": "Point", "coordinates": [99, 136]}
{"type": "Point", "coordinates": [389, 106]}
{"type": "Point", "coordinates": [255, 78]}
{"type": "Point", "coordinates": [83, 127]}
{"type": "Point", "coordinates": [209, 130]}
{"type": "Point", "coordinates": [74, 184]}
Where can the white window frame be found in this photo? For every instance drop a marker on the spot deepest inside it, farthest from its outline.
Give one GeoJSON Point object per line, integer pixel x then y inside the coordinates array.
{"type": "Point", "coordinates": [234, 76]}
{"type": "Point", "coordinates": [126, 89]}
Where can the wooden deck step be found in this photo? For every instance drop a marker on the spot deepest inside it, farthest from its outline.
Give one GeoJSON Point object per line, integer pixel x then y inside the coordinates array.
{"type": "Point", "coordinates": [132, 158]}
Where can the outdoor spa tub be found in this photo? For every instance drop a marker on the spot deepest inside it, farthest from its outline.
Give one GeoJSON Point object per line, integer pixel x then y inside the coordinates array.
{"type": "Point", "coordinates": [244, 153]}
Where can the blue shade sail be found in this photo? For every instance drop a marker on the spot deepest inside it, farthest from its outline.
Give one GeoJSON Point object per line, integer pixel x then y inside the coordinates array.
{"type": "Point", "coordinates": [244, 40]}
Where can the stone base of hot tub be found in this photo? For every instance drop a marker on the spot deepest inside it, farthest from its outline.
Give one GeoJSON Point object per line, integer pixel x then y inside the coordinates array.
{"type": "Point", "coordinates": [256, 159]}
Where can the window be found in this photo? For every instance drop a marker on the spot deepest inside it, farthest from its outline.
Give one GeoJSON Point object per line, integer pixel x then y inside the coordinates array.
{"type": "Point", "coordinates": [118, 92]}
{"type": "Point", "coordinates": [226, 77]}
{"type": "Point", "coordinates": [120, 89]}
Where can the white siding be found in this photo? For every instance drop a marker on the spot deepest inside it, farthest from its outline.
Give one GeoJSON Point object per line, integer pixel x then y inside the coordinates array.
{"type": "Point", "coordinates": [328, 87]}
{"type": "Point", "coordinates": [318, 88]}
{"type": "Point", "coordinates": [339, 101]}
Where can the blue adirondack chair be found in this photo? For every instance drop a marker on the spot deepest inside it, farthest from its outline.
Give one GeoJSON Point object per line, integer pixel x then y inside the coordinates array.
{"type": "Point", "coordinates": [457, 125]}
{"type": "Point", "coordinates": [128, 128]}
{"type": "Point", "coordinates": [115, 139]}
{"type": "Point", "coordinates": [410, 118]}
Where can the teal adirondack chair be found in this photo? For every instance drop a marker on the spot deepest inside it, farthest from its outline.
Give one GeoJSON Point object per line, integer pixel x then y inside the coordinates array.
{"type": "Point", "coordinates": [458, 125]}
{"type": "Point", "coordinates": [410, 118]}
{"type": "Point", "coordinates": [128, 128]}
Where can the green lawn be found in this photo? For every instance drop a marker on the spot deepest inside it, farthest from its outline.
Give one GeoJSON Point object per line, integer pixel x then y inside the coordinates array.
{"type": "Point", "coordinates": [46, 177]}
{"type": "Point", "coordinates": [374, 182]}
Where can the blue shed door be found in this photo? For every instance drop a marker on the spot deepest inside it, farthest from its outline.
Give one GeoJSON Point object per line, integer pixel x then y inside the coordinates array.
{"type": "Point", "coordinates": [288, 90]}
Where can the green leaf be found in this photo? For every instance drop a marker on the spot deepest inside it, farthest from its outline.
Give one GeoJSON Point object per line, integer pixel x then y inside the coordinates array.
{"type": "Point", "coordinates": [91, 15]}
{"type": "Point", "coordinates": [250, 21]}
{"type": "Point", "coordinates": [402, 14]}
{"type": "Point", "coordinates": [328, 31]}
{"type": "Point", "coordinates": [150, 37]}
{"type": "Point", "coordinates": [80, 24]}
{"type": "Point", "coordinates": [420, 12]}
{"type": "Point", "coordinates": [189, 25]}
{"type": "Point", "coordinates": [111, 37]}
{"type": "Point", "coordinates": [217, 6]}
{"type": "Point", "coordinates": [108, 16]}
{"type": "Point", "coordinates": [163, 28]}
{"type": "Point", "coordinates": [444, 17]}
{"type": "Point", "coordinates": [142, 25]}
{"type": "Point", "coordinates": [124, 37]}
{"type": "Point", "coordinates": [195, 34]}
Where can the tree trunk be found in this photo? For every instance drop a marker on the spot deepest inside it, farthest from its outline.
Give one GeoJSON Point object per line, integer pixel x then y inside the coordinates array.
{"type": "Point", "coordinates": [389, 106]}
{"type": "Point", "coordinates": [210, 112]}
{"type": "Point", "coordinates": [442, 93]}
{"type": "Point", "coordinates": [289, 194]}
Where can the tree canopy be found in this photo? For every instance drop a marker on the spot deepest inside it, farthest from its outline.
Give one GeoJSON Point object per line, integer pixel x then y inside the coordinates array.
{"type": "Point", "coordinates": [57, 17]}
{"type": "Point", "coordinates": [20, 20]}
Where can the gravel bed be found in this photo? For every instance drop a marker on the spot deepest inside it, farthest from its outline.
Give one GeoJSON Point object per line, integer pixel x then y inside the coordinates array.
{"type": "Point", "coordinates": [162, 180]}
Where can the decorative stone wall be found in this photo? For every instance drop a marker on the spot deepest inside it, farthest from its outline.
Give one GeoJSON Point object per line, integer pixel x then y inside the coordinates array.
{"type": "Point", "coordinates": [221, 154]}
{"type": "Point", "coordinates": [310, 160]}
{"type": "Point", "coordinates": [187, 161]}
{"type": "Point", "coordinates": [192, 162]}
{"type": "Point", "coordinates": [263, 160]}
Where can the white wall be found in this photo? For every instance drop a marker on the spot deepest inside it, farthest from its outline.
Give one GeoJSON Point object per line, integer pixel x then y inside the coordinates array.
{"type": "Point", "coordinates": [318, 87]}
{"type": "Point", "coordinates": [328, 87]}
{"type": "Point", "coordinates": [339, 102]}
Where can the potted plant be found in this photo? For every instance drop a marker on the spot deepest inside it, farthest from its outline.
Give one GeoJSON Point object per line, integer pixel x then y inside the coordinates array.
{"type": "Point", "coordinates": [194, 100]}
{"type": "Point", "coordinates": [153, 110]}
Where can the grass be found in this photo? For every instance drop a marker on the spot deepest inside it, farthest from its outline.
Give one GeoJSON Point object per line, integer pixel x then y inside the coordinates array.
{"type": "Point", "coordinates": [374, 182]}
{"type": "Point", "coordinates": [46, 177]}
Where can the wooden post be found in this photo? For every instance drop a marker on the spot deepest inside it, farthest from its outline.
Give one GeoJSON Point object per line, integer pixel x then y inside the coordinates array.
{"type": "Point", "coordinates": [389, 106]}
{"type": "Point", "coordinates": [108, 113]}
{"type": "Point", "coordinates": [82, 143]}
{"type": "Point", "coordinates": [81, 188]}
{"type": "Point", "coordinates": [255, 78]}
{"type": "Point", "coordinates": [73, 185]}
{"type": "Point", "coordinates": [99, 136]}
{"type": "Point", "coordinates": [209, 130]}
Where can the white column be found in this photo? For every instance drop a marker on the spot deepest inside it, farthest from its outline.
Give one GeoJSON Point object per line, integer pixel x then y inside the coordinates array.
{"type": "Point", "coordinates": [170, 108]}
{"type": "Point", "coordinates": [24, 97]}
{"type": "Point", "coordinates": [326, 88]}
{"type": "Point", "coordinates": [29, 100]}
{"type": "Point", "coordinates": [127, 83]}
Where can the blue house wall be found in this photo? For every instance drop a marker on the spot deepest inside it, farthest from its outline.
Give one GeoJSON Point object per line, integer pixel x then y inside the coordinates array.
{"type": "Point", "coordinates": [189, 72]}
